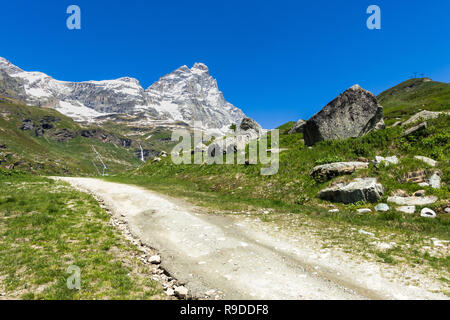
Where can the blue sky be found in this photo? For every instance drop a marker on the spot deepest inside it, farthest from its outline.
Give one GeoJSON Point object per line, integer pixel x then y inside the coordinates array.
{"type": "Point", "coordinates": [276, 60]}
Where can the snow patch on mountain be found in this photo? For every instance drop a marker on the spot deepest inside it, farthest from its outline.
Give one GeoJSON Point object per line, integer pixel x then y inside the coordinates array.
{"type": "Point", "coordinates": [187, 95]}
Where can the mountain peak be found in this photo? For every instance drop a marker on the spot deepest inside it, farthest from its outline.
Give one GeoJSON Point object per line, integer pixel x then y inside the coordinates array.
{"type": "Point", "coordinates": [200, 67]}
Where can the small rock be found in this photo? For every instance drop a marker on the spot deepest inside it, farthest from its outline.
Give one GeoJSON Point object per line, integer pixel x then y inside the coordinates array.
{"type": "Point", "coordinates": [155, 260]}
{"type": "Point", "coordinates": [407, 209]}
{"type": "Point", "coordinates": [428, 161]}
{"type": "Point", "coordinates": [424, 184]}
{"type": "Point", "coordinates": [366, 232]}
{"type": "Point", "coordinates": [419, 193]}
{"type": "Point", "coordinates": [333, 210]}
{"type": "Point", "coordinates": [447, 210]}
{"type": "Point", "coordinates": [435, 181]}
{"type": "Point", "coordinates": [415, 129]}
{"type": "Point", "coordinates": [364, 210]}
{"type": "Point", "coordinates": [298, 127]}
{"type": "Point", "coordinates": [382, 207]}
{"type": "Point", "coordinates": [181, 292]}
{"type": "Point", "coordinates": [387, 160]}
{"type": "Point", "coordinates": [427, 213]}
{"type": "Point", "coordinates": [170, 292]}
{"type": "Point", "coordinates": [413, 201]}
{"type": "Point", "coordinates": [210, 293]}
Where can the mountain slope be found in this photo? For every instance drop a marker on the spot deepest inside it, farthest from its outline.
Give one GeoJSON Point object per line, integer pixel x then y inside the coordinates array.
{"type": "Point", "coordinates": [413, 95]}
{"type": "Point", "coordinates": [186, 95]}
{"type": "Point", "coordinates": [43, 140]}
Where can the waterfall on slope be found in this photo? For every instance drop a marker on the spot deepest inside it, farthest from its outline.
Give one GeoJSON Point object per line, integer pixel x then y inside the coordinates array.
{"type": "Point", "coordinates": [142, 153]}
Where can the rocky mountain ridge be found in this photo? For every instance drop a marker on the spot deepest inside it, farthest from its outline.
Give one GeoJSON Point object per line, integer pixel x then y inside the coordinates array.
{"type": "Point", "coordinates": [185, 95]}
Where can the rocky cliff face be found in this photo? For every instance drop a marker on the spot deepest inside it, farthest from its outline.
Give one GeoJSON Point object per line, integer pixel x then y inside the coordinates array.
{"type": "Point", "coordinates": [185, 95]}
{"type": "Point", "coordinates": [352, 114]}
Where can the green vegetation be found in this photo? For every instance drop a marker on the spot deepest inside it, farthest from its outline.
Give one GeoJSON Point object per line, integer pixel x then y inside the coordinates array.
{"type": "Point", "coordinates": [45, 227]}
{"type": "Point", "coordinates": [411, 96]}
{"type": "Point", "coordinates": [239, 187]}
{"type": "Point", "coordinates": [45, 154]}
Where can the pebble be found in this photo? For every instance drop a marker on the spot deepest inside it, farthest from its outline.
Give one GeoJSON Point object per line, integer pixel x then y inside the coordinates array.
{"type": "Point", "coordinates": [155, 260]}
{"type": "Point", "coordinates": [181, 292]}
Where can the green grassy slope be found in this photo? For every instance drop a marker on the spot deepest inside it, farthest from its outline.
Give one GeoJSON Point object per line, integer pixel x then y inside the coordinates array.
{"type": "Point", "coordinates": [414, 95]}
{"type": "Point", "coordinates": [45, 154]}
{"type": "Point", "coordinates": [47, 226]}
{"type": "Point", "coordinates": [294, 190]}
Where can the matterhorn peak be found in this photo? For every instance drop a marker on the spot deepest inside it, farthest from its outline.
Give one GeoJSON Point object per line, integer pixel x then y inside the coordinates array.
{"type": "Point", "coordinates": [201, 67]}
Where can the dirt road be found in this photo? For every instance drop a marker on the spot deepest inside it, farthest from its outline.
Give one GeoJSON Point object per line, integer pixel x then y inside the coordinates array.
{"type": "Point", "coordinates": [238, 258]}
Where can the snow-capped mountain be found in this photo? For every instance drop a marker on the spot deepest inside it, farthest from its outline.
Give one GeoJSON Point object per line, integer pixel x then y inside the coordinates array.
{"type": "Point", "coordinates": [185, 95]}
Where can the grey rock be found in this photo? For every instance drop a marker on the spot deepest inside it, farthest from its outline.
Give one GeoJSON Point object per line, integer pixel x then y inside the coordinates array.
{"type": "Point", "coordinates": [249, 128]}
{"type": "Point", "coordinates": [181, 292]}
{"type": "Point", "coordinates": [412, 201]}
{"type": "Point", "coordinates": [155, 259]}
{"type": "Point", "coordinates": [298, 127]}
{"type": "Point", "coordinates": [27, 124]}
{"type": "Point", "coordinates": [364, 210]}
{"type": "Point", "coordinates": [435, 181]}
{"type": "Point", "coordinates": [330, 170]}
{"type": "Point", "coordinates": [423, 115]}
{"type": "Point", "coordinates": [354, 113]}
{"type": "Point", "coordinates": [447, 210]}
{"type": "Point", "coordinates": [428, 213]}
{"type": "Point", "coordinates": [386, 160]}
{"type": "Point", "coordinates": [383, 207]}
{"type": "Point", "coordinates": [406, 209]}
{"type": "Point", "coordinates": [428, 161]}
{"type": "Point", "coordinates": [415, 129]}
{"type": "Point", "coordinates": [420, 193]}
{"type": "Point", "coordinates": [366, 189]}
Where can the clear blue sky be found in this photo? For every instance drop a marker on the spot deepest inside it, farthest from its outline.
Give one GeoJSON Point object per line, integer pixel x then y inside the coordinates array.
{"type": "Point", "coordinates": [276, 60]}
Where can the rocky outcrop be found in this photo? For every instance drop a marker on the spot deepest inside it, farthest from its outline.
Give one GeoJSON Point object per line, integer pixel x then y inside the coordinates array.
{"type": "Point", "coordinates": [423, 115]}
{"type": "Point", "coordinates": [62, 135]}
{"type": "Point", "coordinates": [298, 127]}
{"type": "Point", "coordinates": [352, 114]}
{"type": "Point", "coordinates": [367, 190]}
{"type": "Point", "coordinates": [330, 170]}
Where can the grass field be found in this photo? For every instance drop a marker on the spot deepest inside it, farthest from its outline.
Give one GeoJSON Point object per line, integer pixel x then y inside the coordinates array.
{"type": "Point", "coordinates": [47, 226]}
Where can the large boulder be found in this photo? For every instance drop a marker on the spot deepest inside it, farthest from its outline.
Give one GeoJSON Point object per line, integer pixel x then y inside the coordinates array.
{"type": "Point", "coordinates": [367, 190]}
{"type": "Point", "coordinates": [330, 170]}
{"type": "Point", "coordinates": [352, 114]}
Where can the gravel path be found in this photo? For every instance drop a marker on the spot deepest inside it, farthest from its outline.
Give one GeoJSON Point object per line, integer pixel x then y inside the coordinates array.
{"type": "Point", "coordinates": [236, 258]}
